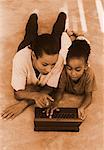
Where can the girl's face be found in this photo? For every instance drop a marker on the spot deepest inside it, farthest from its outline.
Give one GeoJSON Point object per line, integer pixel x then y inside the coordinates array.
{"type": "Point", "coordinates": [75, 68]}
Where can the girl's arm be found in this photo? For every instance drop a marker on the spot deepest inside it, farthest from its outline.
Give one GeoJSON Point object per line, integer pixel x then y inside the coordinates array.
{"type": "Point", "coordinates": [85, 103]}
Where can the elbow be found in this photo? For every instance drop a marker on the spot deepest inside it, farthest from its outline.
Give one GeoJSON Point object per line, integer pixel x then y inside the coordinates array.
{"type": "Point", "coordinates": [89, 101]}
{"type": "Point", "coordinates": [90, 98]}
{"type": "Point", "coordinates": [17, 95]}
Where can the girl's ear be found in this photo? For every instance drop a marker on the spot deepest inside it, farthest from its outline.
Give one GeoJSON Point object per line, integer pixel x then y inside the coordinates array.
{"type": "Point", "coordinates": [59, 25]}
{"type": "Point", "coordinates": [86, 66]}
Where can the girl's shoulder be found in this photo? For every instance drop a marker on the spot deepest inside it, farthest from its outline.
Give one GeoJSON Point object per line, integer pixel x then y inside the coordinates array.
{"type": "Point", "coordinates": [89, 73]}
{"type": "Point", "coordinates": [89, 70]}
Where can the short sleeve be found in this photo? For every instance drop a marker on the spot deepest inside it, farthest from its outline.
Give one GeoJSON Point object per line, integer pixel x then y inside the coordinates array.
{"type": "Point", "coordinates": [90, 81]}
{"type": "Point", "coordinates": [18, 80]}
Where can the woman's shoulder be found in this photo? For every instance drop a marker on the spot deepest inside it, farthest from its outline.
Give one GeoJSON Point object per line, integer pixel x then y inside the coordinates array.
{"type": "Point", "coordinates": [22, 54]}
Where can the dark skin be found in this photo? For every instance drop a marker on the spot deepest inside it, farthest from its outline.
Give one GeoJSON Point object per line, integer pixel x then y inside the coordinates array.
{"type": "Point", "coordinates": [14, 110]}
{"type": "Point", "coordinates": [25, 100]}
{"type": "Point", "coordinates": [24, 97]}
{"type": "Point", "coordinates": [38, 97]}
{"type": "Point", "coordinates": [81, 110]}
{"type": "Point", "coordinates": [81, 65]}
{"type": "Point", "coordinates": [54, 105]}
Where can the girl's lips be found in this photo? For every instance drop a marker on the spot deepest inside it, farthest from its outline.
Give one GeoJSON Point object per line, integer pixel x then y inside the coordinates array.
{"type": "Point", "coordinates": [74, 78]}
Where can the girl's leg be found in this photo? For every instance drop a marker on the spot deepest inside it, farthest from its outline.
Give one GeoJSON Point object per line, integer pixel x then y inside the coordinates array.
{"type": "Point", "coordinates": [31, 31]}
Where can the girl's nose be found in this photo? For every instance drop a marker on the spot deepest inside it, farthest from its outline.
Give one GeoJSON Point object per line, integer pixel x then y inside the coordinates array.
{"type": "Point", "coordinates": [73, 73]}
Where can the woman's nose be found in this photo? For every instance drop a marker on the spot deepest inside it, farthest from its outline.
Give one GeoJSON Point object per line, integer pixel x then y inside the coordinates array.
{"type": "Point", "coordinates": [48, 69]}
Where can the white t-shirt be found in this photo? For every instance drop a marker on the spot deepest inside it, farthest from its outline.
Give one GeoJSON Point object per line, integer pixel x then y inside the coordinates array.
{"type": "Point", "coordinates": [22, 71]}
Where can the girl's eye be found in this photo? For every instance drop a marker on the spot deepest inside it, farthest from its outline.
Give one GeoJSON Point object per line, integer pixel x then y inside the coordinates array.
{"type": "Point", "coordinates": [78, 69]}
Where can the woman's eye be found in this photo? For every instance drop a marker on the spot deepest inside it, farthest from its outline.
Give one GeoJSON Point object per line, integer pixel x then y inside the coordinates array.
{"type": "Point", "coordinates": [53, 64]}
{"type": "Point", "coordinates": [45, 64]}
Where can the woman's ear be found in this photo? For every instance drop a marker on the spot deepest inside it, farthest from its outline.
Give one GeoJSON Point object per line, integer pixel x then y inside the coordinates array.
{"type": "Point", "coordinates": [33, 56]}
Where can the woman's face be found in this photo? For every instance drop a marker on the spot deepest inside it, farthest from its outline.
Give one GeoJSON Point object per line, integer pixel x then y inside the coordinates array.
{"type": "Point", "coordinates": [45, 63]}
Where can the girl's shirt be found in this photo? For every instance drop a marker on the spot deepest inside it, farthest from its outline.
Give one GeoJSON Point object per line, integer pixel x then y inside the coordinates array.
{"type": "Point", "coordinates": [84, 85]}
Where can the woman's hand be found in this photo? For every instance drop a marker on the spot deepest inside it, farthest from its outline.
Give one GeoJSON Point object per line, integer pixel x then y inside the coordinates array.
{"type": "Point", "coordinates": [43, 100]}
{"type": "Point", "coordinates": [14, 110]}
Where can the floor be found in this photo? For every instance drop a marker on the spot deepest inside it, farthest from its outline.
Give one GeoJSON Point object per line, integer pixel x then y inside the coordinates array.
{"type": "Point", "coordinates": [18, 134]}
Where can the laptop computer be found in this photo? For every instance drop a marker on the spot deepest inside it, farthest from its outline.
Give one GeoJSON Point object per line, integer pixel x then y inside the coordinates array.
{"type": "Point", "coordinates": [64, 120]}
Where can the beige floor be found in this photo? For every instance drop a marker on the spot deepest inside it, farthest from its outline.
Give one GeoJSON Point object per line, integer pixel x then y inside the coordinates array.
{"type": "Point", "coordinates": [18, 134]}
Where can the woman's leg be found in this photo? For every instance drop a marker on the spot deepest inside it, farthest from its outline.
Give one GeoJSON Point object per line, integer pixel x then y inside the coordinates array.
{"type": "Point", "coordinates": [59, 25]}
{"type": "Point", "coordinates": [31, 31]}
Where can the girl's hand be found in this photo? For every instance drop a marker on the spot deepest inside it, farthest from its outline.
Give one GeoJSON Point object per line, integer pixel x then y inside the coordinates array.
{"type": "Point", "coordinates": [50, 110]}
{"type": "Point", "coordinates": [14, 110]}
{"type": "Point", "coordinates": [81, 113]}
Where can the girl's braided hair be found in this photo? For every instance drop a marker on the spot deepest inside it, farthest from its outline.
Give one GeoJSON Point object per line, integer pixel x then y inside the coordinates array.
{"type": "Point", "coordinates": [79, 48]}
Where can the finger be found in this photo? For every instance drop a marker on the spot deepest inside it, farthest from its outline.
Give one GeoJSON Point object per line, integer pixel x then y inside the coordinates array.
{"type": "Point", "coordinates": [9, 116]}
{"type": "Point", "coordinates": [44, 101]}
{"type": "Point", "coordinates": [83, 117]}
{"type": "Point", "coordinates": [40, 104]}
{"type": "Point", "coordinates": [18, 112]}
{"type": "Point", "coordinates": [14, 116]}
{"type": "Point", "coordinates": [57, 109]}
{"type": "Point", "coordinates": [6, 115]}
{"type": "Point", "coordinates": [50, 98]}
{"type": "Point", "coordinates": [9, 108]}
{"type": "Point", "coordinates": [47, 103]}
{"type": "Point", "coordinates": [52, 110]}
{"type": "Point", "coordinates": [79, 114]}
{"type": "Point", "coordinates": [44, 111]}
{"type": "Point", "coordinates": [50, 116]}
{"type": "Point", "coordinates": [6, 110]}
{"type": "Point", "coordinates": [47, 112]}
